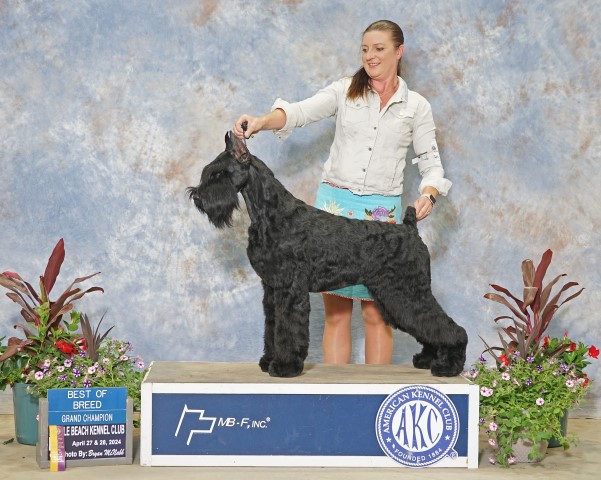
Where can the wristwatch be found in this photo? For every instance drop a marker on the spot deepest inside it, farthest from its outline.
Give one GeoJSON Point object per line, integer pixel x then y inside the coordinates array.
{"type": "Point", "coordinates": [430, 197]}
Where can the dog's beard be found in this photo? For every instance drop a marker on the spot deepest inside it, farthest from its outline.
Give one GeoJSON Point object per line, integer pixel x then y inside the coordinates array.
{"type": "Point", "coordinates": [217, 201]}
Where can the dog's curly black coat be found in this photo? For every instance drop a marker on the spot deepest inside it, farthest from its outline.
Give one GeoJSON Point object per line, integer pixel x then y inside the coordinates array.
{"type": "Point", "coordinates": [296, 249]}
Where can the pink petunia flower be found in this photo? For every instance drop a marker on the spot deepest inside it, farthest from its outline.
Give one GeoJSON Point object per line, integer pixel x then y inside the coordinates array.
{"type": "Point", "coordinates": [493, 426]}
{"type": "Point", "coordinates": [505, 376]}
{"type": "Point", "coordinates": [540, 401]}
{"type": "Point", "coordinates": [486, 392]}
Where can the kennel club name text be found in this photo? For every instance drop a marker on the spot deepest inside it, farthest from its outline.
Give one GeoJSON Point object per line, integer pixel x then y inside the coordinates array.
{"type": "Point", "coordinates": [417, 426]}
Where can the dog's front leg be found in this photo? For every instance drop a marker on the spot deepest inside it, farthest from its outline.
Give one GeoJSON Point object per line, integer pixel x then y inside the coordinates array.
{"type": "Point", "coordinates": [291, 333]}
{"type": "Point", "coordinates": [269, 311]}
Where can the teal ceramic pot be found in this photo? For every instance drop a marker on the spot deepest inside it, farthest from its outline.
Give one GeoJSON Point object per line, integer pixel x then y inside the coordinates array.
{"type": "Point", "coordinates": [26, 412]}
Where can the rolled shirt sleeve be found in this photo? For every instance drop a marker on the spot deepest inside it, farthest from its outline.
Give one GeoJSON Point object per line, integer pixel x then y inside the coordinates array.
{"type": "Point", "coordinates": [426, 149]}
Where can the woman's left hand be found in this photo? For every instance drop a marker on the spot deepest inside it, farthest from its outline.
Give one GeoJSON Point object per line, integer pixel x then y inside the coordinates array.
{"type": "Point", "coordinates": [423, 207]}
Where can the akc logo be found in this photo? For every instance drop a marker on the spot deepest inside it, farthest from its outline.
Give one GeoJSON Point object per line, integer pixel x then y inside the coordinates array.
{"type": "Point", "coordinates": [417, 426]}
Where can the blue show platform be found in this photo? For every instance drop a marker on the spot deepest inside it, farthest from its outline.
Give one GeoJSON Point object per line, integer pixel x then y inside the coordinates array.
{"type": "Point", "coordinates": [232, 414]}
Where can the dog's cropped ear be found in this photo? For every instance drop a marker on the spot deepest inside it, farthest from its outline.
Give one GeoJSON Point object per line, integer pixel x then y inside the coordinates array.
{"type": "Point", "coordinates": [237, 147]}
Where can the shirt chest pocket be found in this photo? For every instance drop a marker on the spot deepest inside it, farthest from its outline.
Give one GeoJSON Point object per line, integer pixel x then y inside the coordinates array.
{"type": "Point", "coordinates": [400, 121]}
{"type": "Point", "coordinates": [355, 112]}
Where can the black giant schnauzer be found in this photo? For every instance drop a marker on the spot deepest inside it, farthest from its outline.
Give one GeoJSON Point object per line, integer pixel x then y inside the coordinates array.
{"type": "Point", "coordinates": [296, 249]}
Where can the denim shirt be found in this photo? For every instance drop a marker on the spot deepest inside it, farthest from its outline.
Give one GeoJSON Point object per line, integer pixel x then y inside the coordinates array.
{"type": "Point", "coordinates": [370, 145]}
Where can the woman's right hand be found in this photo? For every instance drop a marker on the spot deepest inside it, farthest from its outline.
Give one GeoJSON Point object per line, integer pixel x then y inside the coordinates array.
{"type": "Point", "coordinates": [275, 120]}
{"type": "Point", "coordinates": [254, 125]}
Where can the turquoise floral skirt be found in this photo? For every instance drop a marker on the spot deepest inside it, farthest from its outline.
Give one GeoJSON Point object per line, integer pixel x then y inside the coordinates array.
{"type": "Point", "coordinates": [344, 203]}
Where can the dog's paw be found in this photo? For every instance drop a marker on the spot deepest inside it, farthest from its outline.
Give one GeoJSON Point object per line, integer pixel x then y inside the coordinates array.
{"type": "Point", "coordinates": [444, 370]}
{"type": "Point", "coordinates": [425, 358]}
{"type": "Point", "coordinates": [422, 360]}
{"type": "Point", "coordinates": [286, 370]}
{"type": "Point", "coordinates": [264, 363]}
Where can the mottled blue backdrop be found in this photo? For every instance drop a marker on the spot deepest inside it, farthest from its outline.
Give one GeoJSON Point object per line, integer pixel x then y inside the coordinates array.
{"type": "Point", "coordinates": [110, 109]}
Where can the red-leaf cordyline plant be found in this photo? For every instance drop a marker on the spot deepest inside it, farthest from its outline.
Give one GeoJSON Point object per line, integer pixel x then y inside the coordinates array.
{"type": "Point", "coordinates": [532, 313]}
{"type": "Point", "coordinates": [33, 303]}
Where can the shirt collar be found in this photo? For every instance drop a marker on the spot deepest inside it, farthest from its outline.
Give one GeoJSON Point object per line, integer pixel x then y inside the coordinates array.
{"type": "Point", "coordinates": [402, 92]}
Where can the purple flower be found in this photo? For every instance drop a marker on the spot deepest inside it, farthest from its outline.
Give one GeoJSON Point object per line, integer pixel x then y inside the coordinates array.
{"type": "Point", "coordinates": [530, 359]}
{"type": "Point", "coordinates": [87, 383]}
{"type": "Point", "coordinates": [539, 368]}
{"type": "Point", "coordinates": [528, 382]}
{"type": "Point", "coordinates": [62, 378]}
{"type": "Point", "coordinates": [76, 372]}
{"type": "Point", "coordinates": [482, 359]}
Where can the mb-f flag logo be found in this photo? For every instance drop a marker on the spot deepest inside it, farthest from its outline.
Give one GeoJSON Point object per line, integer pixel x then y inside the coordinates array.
{"type": "Point", "coordinates": [417, 426]}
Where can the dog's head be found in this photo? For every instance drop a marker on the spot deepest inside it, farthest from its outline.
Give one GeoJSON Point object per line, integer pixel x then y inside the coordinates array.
{"type": "Point", "coordinates": [217, 193]}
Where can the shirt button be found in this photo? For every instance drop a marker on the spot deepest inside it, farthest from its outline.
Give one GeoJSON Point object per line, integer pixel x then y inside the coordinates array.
{"type": "Point", "coordinates": [364, 170]}
{"type": "Point", "coordinates": [375, 128]}
{"type": "Point", "coordinates": [369, 149]}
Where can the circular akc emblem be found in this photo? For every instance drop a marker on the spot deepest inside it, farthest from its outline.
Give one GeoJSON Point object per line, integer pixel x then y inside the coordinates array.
{"type": "Point", "coordinates": [417, 426]}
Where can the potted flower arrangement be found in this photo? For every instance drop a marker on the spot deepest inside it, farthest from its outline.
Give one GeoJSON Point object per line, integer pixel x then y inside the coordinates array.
{"type": "Point", "coordinates": [534, 379]}
{"type": "Point", "coordinates": [59, 348]}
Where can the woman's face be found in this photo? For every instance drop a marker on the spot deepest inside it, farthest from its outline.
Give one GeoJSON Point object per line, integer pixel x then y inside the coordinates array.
{"type": "Point", "coordinates": [379, 56]}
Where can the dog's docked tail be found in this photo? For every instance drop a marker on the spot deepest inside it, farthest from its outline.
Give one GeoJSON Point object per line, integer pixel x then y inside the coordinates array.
{"type": "Point", "coordinates": [410, 219]}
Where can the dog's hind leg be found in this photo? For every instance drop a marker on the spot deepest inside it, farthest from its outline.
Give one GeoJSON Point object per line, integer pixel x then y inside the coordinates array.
{"type": "Point", "coordinates": [269, 311]}
{"type": "Point", "coordinates": [444, 342]}
{"type": "Point", "coordinates": [421, 360]}
{"type": "Point", "coordinates": [291, 332]}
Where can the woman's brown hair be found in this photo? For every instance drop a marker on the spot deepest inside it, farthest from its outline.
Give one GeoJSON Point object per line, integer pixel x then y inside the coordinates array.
{"type": "Point", "coordinates": [360, 83]}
